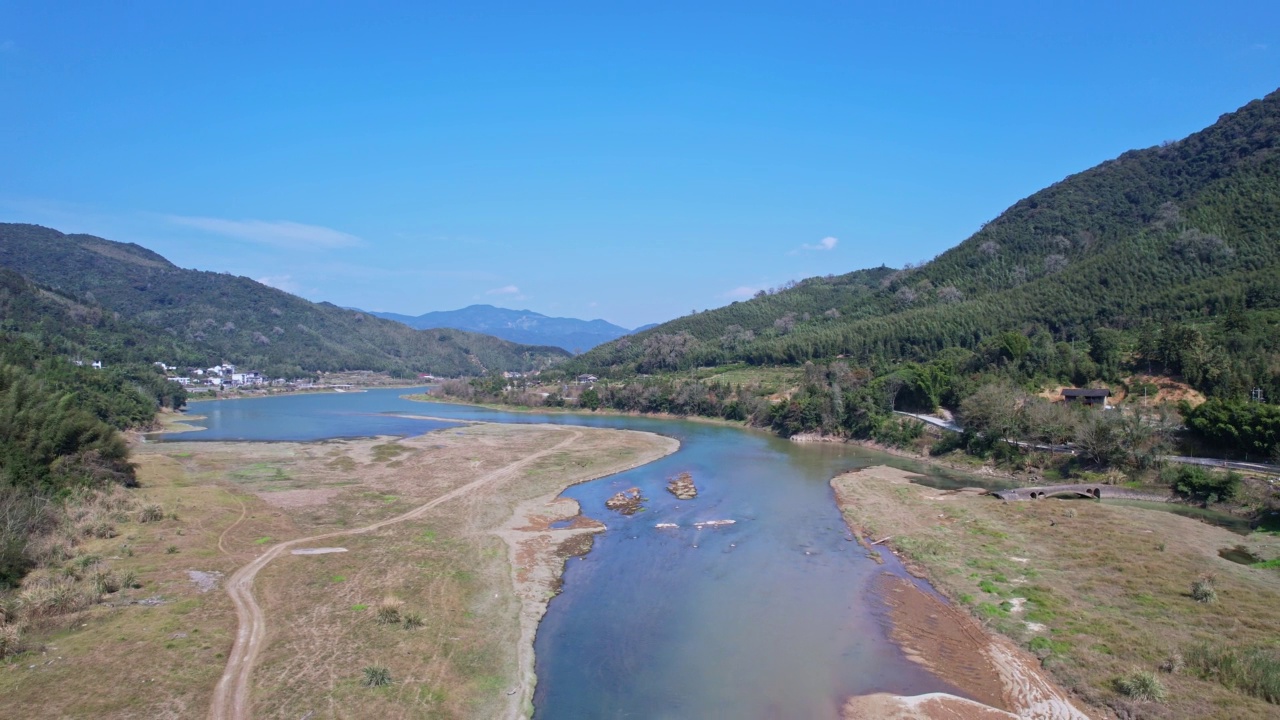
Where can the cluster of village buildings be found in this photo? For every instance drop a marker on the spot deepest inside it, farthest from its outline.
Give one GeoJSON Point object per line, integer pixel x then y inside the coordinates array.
{"type": "Point", "coordinates": [218, 376]}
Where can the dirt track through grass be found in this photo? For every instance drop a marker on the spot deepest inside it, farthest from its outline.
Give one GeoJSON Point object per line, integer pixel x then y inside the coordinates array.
{"type": "Point", "coordinates": [232, 695]}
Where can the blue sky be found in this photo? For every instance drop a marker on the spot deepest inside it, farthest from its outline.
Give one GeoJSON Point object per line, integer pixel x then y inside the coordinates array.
{"type": "Point", "coordinates": [631, 161]}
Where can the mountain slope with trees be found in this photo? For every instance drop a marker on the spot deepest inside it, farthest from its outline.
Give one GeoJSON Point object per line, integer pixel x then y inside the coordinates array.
{"type": "Point", "coordinates": [212, 317]}
{"type": "Point", "coordinates": [1171, 253]}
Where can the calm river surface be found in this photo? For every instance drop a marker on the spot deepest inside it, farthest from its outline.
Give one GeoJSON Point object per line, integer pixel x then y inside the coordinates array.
{"type": "Point", "coordinates": [771, 617]}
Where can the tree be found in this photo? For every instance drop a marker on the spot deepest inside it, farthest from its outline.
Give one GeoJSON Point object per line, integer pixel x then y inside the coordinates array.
{"type": "Point", "coordinates": [994, 410]}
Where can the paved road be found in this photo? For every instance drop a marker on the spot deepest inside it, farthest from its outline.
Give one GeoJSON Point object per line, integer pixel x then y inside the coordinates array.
{"type": "Point", "coordinates": [1183, 459]}
{"type": "Point", "coordinates": [932, 420]}
{"type": "Point", "coordinates": [1219, 463]}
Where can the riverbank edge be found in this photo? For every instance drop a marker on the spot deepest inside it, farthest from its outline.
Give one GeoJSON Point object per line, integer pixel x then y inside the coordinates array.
{"type": "Point", "coordinates": [575, 412]}
{"type": "Point", "coordinates": [1046, 699]}
{"type": "Point", "coordinates": [204, 397]}
{"type": "Point", "coordinates": [534, 607]}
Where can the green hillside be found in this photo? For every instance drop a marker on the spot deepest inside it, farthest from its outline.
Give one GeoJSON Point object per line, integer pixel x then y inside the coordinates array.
{"type": "Point", "coordinates": [1160, 245]}
{"type": "Point", "coordinates": [198, 318]}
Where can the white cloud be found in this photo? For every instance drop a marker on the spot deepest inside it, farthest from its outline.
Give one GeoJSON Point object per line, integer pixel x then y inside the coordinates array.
{"type": "Point", "coordinates": [280, 233]}
{"type": "Point", "coordinates": [743, 292]}
{"type": "Point", "coordinates": [504, 290]}
{"type": "Point", "coordinates": [282, 282]}
{"type": "Point", "coordinates": [826, 243]}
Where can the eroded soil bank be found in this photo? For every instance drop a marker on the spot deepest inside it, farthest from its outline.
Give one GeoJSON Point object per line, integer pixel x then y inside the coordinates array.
{"type": "Point", "coordinates": [1054, 602]}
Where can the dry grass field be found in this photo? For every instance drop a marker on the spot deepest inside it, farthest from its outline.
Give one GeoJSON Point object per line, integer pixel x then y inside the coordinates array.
{"type": "Point", "coordinates": [431, 600]}
{"type": "Point", "coordinates": [1102, 594]}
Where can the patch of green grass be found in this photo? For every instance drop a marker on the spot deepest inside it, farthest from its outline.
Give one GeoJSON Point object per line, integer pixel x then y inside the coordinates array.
{"type": "Point", "coordinates": [1042, 644]}
{"type": "Point", "coordinates": [343, 463]}
{"type": "Point", "coordinates": [1255, 671]}
{"type": "Point", "coordinates": [338, 578]}
{"type": "Point", "coordinates": [376, 676]}
{"type": "Point", "coordinates": [990, 610]}
{"type": "Point", "coordinates": [921, 547]}
{"type": "Point", "coordinates": [977, 528]}
{"type": "Point", "coordinates": [359, 607]}
{"type": "Point", "coordinates": [987, 586]}
{"type": "Point", "coordinates": [262, 540]}
{"type": "Point", "coordinates": [387, 452]}
{"type": "Point", "coordinates": [1272, 564]}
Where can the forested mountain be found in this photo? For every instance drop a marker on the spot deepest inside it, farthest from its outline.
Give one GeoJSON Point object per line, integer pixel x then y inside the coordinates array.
{"type": "Point", "coordinates": [522, 326]}
{"type": "Point", "coordinates": [190, 317]}
{"type": "Point", "coordinates": [1176, 248]}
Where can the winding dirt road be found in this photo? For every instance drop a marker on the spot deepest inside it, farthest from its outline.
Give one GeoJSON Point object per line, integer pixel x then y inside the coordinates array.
{"type": "Point", "coordinates": [231, 697]}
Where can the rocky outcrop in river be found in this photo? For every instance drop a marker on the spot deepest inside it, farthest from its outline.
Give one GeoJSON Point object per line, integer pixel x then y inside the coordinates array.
{"type": "Point", "coordinates": [627, 502]}
{"type": "Point", "coordinates": [682, 486]}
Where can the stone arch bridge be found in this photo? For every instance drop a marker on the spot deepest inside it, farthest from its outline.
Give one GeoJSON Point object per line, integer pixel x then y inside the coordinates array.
{"type": "Point", "coordinates": [1090, 490]}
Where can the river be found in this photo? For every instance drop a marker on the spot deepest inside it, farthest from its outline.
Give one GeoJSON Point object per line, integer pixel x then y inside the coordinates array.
{"type": "Point", "coordinates": [770, 617]}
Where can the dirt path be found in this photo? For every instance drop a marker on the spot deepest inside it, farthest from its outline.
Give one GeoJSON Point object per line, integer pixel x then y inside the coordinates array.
{"type": "Point", "coordinates": [244, 512]}
{"type": "Point", "coordinates": [231, 697]}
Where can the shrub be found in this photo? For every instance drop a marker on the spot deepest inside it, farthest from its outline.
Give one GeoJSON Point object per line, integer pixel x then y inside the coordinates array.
{"type": "Point", "coordinates": [376, 676]}
{"type": "Point", "coordinates": [10, 640]}
{"type": "Point", "coordinates": [1140, 685]}
{"type": "Point", "coordinates": [389, 611]}
{"type": "Point", "coordinates": [412, 621]}
{"type": "Point", "coordinates": [151, 513]}
{"type": "Point", "coordinates": [105, 582]}
{"type": "Point", "coordinates": [1255, 671]}
{"type": "Point", "coordinates": [1202, 590]}
{"type": "Point", "coordinates": [50, 597]}
{"type": "Point", "coordinates": [172, 549]}
{"type": "Point", "coordinates": [1197, 483]}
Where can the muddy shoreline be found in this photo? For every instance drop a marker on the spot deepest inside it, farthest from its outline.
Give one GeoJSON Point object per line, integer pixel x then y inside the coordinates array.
{"type": "Point", "coordinates": [538, 553]}
{"type": "Point", "coordinates": [1001, 680]}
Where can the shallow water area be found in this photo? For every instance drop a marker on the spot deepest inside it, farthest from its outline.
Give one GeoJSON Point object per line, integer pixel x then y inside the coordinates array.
{"type": "Point", "coordinates": [770, 616]}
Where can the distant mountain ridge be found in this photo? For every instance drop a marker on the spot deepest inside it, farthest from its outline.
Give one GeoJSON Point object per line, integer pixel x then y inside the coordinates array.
{"type": "Point", "coordinates": [199, 318]}
{"type": "Point", "coordinates": [522, 326]}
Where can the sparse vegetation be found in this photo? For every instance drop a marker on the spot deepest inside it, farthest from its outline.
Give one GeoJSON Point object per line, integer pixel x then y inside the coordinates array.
{"type": "Point", "coordinates": [1203, 590]}
{"type": "Point", "coordinates": [1255, 670]}
{"type": "Point", "coordinates": [376, 676]}
{"type": "Point", "coordinates": [389, 611]}
{"type": "Point", "coordinates": [1141, 685]}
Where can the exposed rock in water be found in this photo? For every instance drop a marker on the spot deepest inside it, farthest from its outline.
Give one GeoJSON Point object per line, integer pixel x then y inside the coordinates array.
{"type": "Point", "coordinates": [627, 502]}
{"type": "Point", "coordinates": [713, 523]}
{"type": "Point", "coordinates": [682, 486]}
